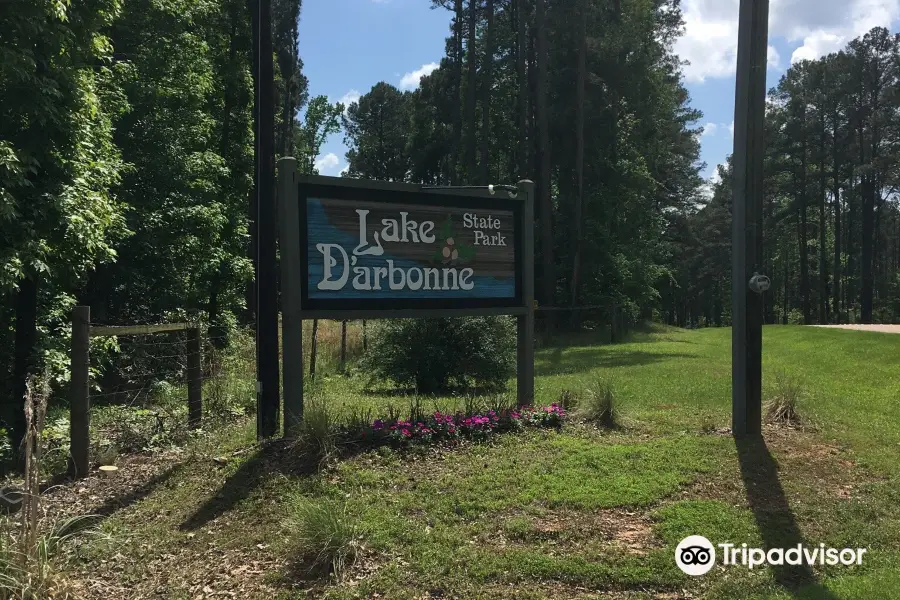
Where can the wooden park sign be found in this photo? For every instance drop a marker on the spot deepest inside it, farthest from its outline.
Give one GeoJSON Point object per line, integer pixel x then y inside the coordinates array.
{"type": "Point", "coordinates": [354, 249]}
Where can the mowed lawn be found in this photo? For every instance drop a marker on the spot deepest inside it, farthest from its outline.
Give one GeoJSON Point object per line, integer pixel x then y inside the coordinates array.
{"type": "Point", "coordinates": [581, 513]}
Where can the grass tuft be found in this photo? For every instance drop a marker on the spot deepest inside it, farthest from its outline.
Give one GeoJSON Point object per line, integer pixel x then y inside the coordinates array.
{"type": "Point", "coordinates": [568, 400]}
{"type": "Point", "coordinates": [28, 550]}
{"type": "Point", "coordinates": [782, 407]}
{"type": "Point", "coordinates": [325, 535]}
{"type": "Point", "coordinates": [600, 405]}
{"type": "Point", "coordinates": [317, 437]}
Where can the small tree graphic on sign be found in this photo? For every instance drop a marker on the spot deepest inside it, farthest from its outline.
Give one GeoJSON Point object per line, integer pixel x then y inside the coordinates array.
{"type": "Point", "coordinates": [452, 251]}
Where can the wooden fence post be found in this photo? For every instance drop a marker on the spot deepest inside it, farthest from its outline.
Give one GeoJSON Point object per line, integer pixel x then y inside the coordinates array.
{"type": "Point", "coordinates": [80, 403]}
{"type": "Point", "coordinates": [344, 347]}
{"type": "Point", "coordinates": [195, 381]}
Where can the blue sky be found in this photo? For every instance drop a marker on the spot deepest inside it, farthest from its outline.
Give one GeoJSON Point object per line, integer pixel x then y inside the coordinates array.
{"type": "Point", "coordinates": [398, 40]}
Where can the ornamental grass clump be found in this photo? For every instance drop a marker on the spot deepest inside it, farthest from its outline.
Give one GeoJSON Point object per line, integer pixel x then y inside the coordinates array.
{"type": "Point", "coordinates": [782, 406]}
{"type": "Point", "coordinates": [600, 406]}
{"type": "Point", "coordinates": [324, 535]}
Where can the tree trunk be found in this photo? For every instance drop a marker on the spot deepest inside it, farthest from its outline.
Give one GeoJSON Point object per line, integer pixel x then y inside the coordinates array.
{"type": "Point", "coordinates": [866, 226]}
{"type": "Point", "coordinates": [579, 158]}
{"type": "Point", "coordinates": [486, 85]}
{"type": "Point", "coordinates": [836, 192]}
{"type": "Point", "coordinates": [471, 88]}
{"type": "Point", "coordinates": [868, 246]}
{"type": "Point", "coordinates": [253, 206]}
{"type": "Point", "coordinates": [25, 363]}
{"type": "Point", "coordinates": [786, 306]}
{"type": "Point", "coordinates": [802, 241]}
{"type": "Point", "coordinates": [457, 87]}
{"type": "Point", "coordinates": [548, 275]}
{"type": "Point", "coordinates": [850, 288]}
{"type": "Point", "coordinates": [522, 113]}
{"type": "Point", "coordinates": [823, 225]}
{"type": "Point", "coordinates": [217, 331]}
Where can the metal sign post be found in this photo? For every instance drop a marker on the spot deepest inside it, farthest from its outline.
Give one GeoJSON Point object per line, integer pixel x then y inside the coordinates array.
{"type": "Point", "coordinates": [747, 284]}
{"type": "Point", "coordinates": [354, 249]}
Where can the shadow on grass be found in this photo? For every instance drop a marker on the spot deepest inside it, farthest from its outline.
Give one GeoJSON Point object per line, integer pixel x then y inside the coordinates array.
{"type": "Point", "coordinates": [776, 522]}
{"type": "Point", "coordinates": [560, 363]}
{"type": "Point", "coordinates": [134, 496]}
{"type": "Point", "coordinates": [275, 457]}
{"type": "Point", "coordinates": [123, 500]}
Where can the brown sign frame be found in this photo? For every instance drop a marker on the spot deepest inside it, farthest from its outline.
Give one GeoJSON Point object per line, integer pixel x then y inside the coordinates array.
{"type": "Point", "coordinates": [296, 305]}
{"type": "Point", "coordinates": [385, 306]}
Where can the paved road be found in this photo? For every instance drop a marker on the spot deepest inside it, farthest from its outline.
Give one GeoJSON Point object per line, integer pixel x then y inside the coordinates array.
{"type": "Point", "coordinates": [880, 328]}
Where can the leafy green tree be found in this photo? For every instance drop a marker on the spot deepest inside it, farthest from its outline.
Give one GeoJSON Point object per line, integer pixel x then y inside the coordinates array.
{"type": "Point", "coordinates": [375, 131]}
{"type": "Point", "coordinates": [59, 215]}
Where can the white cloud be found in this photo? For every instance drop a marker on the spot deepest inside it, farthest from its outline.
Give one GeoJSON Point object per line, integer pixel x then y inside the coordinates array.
{"type": "Point", "coordinates": [772, 58]}
{"type": "Point", "coordinates": [410, 81]}
{"type": "Point", "coordinates": [709, 40]}
{"type": "Point", "coordinates": [827, 27]}
{"type": "Point", "coordinates": [709, 129]}
{"type": "Point", "coordinates": [706, 188]}
{"type": "Point", "coordinates": [711, 28]}
{"type": "Point", "coordinates": [731, 128]}
{"type": "Point", "coordinates": [328, 164]}
{"type": "Point", "coordinates": [349, 98]}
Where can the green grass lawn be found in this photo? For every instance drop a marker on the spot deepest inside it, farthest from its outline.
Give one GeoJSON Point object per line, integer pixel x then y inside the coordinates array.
{"type": "Point", "coordinates": [581, 513]}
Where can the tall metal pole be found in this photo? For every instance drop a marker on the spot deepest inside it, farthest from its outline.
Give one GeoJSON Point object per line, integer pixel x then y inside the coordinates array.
{"type": "Point", "coordinates": [746, 243]}
{"type": "Point", "coordinates": [266, 283]}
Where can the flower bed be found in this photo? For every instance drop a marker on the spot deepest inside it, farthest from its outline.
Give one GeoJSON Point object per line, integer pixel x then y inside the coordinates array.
{"type": "Point", "coordinates": [449, 428]}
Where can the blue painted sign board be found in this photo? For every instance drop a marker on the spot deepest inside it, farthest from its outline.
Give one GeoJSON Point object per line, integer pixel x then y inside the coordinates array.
{"type": "Point", "coordinates": [408, 250]}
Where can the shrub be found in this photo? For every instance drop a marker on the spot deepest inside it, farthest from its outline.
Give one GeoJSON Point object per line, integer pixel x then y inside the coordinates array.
{"type": "Point", "coordinates": [600, 405]}
{"type": "Point", "coordinates": [6, 453]}
{"type": "Point", "coordinates": [434, 355]}
{"type": "Point", "coordinates": [324, 535]}
{"type": "Point", "coordinates": [28, 565]}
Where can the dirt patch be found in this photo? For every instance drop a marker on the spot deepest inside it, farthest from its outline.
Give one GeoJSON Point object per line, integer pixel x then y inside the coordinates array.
{"type": "Point", "coordinates": [200, 565]}
{"type": "Point", "coordinates": [96, 494]}
{"type": "Point", "coordinates": [881, 328]}
{"type": "Point", "coordinates": [562, 591]}
{"type": "Point", "coordinates": [629, 532]}
{"type": "Point", "coordinates": [804, 459]}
